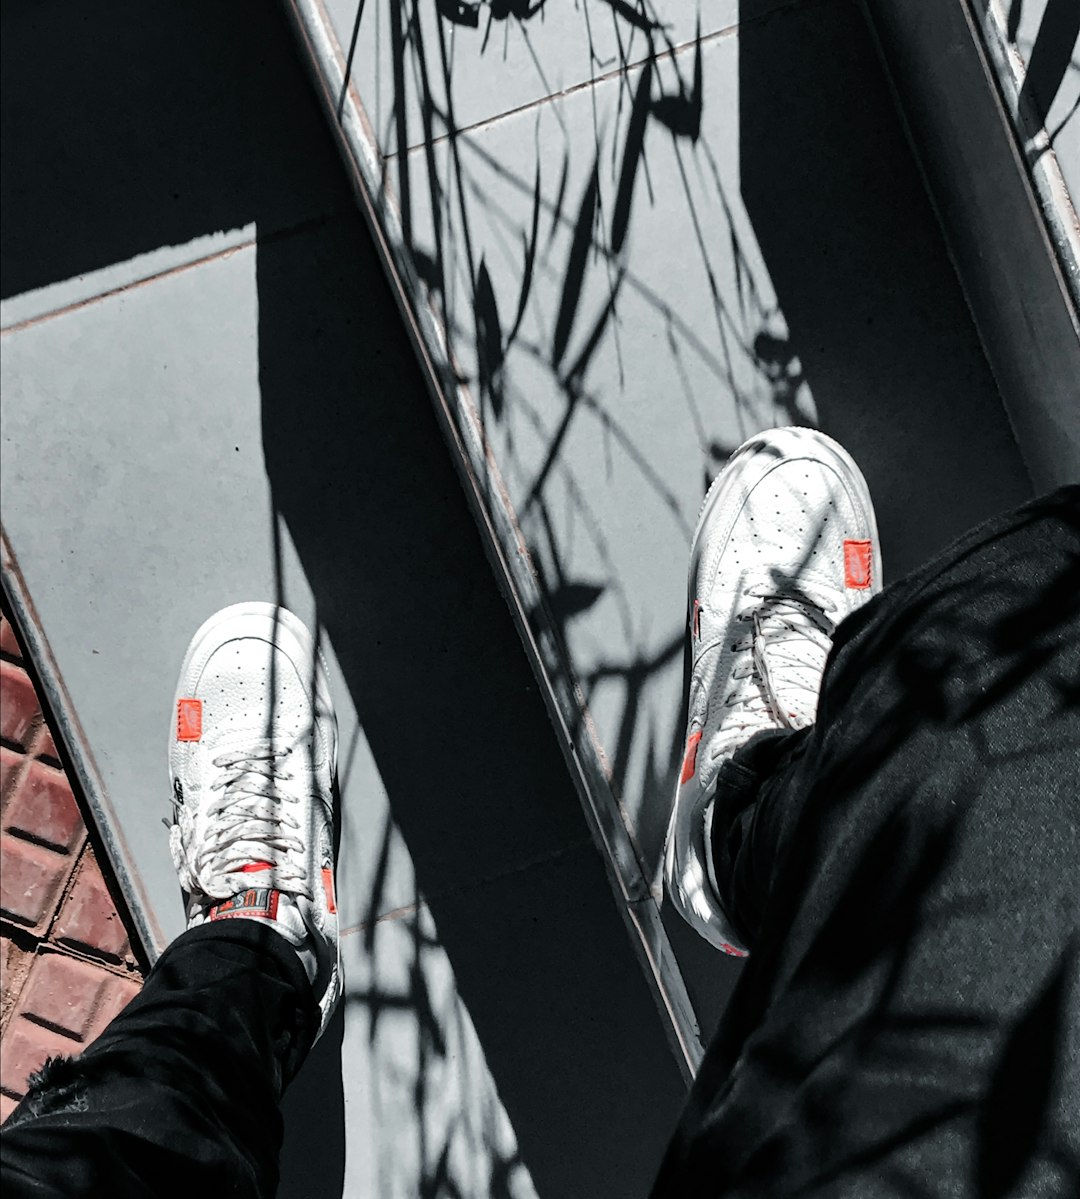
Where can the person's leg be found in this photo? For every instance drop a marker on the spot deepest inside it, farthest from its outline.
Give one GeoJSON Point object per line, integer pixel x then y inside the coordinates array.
{"type": "Point", "coordinates": [182, 1089]}
{"type": "Point", "coordinates": [785, 549]}
{"type": "Point", "coordinates": [904, 874]}
{"type": "Point", "coordinates": [180, 1093]}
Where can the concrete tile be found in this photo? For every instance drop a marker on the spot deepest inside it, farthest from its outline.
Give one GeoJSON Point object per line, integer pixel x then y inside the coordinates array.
{"type": "Point", "coordinates": [19, 712]}
{"type": "Point", "coordinates": [88, 920]}
{"type": "Point", "coordinates": [125, 375]}
{"type": "Point", "coordinates": [41, 302]}
{"type": "Point", "coordinates": [44, 809]}
{"type": "Point", "coordinates": [559, 1001]}
{"type": "Point", "coordinates": [129, 366]}
{"type": "Point", "coordinates": [31, 880]}
{"type": "Point", "coordinates": [63, 994]}
{"type": "Point", "coordinates": [9, 643]}
{"type": "Point", "coordinates": [421, 1105]}
{"type": "Point", "coordinates": [25, 1050]}
{"type": "Point", "coordinates": [420, 74]}
{"type": "Point", "coordinates": [450, 718]}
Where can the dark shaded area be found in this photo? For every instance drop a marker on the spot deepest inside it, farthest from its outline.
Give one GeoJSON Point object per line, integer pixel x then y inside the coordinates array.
{"type": "Point", "coordinates": [1019, 1102]}
{"type": "Point", "coordinates": [998, 240]}
{"type": "Point", "coordinates": [876, 313]}
{"type": "Point", "coordinates": [147, 130]}
{"type": "Point", "coordinates": [313, 1155]}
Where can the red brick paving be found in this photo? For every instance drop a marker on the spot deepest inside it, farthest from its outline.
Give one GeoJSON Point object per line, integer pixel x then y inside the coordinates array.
{"type": "Point", "coordinates": [66, 962]}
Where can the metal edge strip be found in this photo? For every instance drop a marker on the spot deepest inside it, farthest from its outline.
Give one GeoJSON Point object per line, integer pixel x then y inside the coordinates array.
{"type": "Point", "coordinates": [500, 531]}
{"type": "Point", "coordinates": [1057, 205]}
{"type": "Point", "coordinates": [77, 751]}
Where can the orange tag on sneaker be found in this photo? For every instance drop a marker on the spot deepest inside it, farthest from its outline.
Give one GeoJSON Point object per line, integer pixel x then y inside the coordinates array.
{"type": "Point", "coordinates": [189, 720]}
{"type": "Point", "coordinates": [328, 888]}
{"type": "Point", "coordinates": [857, 560]}
{"type": "Point", "coordinates": [690, 760]}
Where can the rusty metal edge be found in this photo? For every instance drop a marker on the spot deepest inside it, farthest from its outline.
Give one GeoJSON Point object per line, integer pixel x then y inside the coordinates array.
{"type": "Point", "coordinates": [1058, 206]}
{"type": "Point", "coordinates": [500, 532]}
{"type": "Point", "coordinates": [79, 756]}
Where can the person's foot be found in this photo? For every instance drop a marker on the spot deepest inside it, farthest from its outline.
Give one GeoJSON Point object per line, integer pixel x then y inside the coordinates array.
{"type": "Point", "coordinates": [252, 756]}
{"type": "Point", "coordinates": [785, 547]}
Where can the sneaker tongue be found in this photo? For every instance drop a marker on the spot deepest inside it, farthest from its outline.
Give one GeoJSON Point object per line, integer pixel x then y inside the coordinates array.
{"type": "Point", "coordinates": [264, 903]}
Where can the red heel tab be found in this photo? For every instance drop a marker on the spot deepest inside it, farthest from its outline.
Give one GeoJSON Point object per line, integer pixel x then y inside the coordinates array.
{"type": "Point", "coordinates": [690, 760]}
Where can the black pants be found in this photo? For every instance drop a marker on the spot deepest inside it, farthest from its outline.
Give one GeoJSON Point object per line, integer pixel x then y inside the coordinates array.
{"type": "Point", "coordinates": [180, 1094]}
{"type": "Point", "coordinates": [907, 873]}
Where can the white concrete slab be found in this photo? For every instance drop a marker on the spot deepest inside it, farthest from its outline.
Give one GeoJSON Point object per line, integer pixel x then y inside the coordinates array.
{"type": "Point", "coordinates": [428, 70]}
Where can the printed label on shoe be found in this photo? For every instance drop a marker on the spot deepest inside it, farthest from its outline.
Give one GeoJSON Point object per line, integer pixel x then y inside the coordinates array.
{"type": "Point", "coordinates": [328, 887]}
{"type": "Point", "coordinates": [258, 901]}
{"type": "Point", "coordinates": [695, 622]}
{"type": "Point", "coordinates": [857, 560]}
{"type": "Point", "coordinates": [189, 720]}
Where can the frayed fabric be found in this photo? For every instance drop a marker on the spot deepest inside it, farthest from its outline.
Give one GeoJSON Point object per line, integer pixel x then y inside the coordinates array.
{"type": "Point", "coordinates": [184, 1085]}
{"type": "Point", "coordinates": [59, 1086]}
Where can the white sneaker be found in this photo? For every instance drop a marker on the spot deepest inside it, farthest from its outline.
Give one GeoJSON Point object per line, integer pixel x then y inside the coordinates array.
{"type": "Point", "coordinates": [786, 546]}
{"type": "Point", "coordinates": [252, 756]}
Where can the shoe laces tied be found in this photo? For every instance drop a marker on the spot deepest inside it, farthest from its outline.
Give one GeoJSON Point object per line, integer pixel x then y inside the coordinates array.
{"type": "Point", "coordinates": [779, 661]}
{"type": "Point", "coordinates": [247, 822]}
{"type": "Point", "coordinates": [792, 638]}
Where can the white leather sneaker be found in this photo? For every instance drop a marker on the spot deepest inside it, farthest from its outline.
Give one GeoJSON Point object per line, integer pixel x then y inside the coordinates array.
{"type": "Point", "coordinates": [786, 546]}
{"type": "Point", "coordinates": [252, 756]}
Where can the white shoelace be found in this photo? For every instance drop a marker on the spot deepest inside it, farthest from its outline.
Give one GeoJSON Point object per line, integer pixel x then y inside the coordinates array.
{"type": "Point", "coordinates": [248, 822]}
{"type": "Point", "coordinates": [779, 663]}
